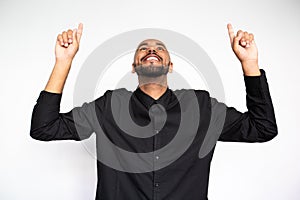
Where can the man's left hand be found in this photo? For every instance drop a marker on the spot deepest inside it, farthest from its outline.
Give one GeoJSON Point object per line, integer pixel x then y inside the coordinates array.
{"type": "Point", "coordinates": [244, 47]}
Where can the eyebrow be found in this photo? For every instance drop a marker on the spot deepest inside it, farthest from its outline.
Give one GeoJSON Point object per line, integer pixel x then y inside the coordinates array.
{"type": "Point", "coordinates": [157, 43]}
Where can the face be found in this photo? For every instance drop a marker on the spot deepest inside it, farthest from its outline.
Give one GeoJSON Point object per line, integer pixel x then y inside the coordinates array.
{"type": "Point", "coordinates": [152, 59]}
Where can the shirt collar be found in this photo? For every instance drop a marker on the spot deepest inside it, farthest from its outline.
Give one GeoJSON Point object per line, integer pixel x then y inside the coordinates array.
{"type": "Point", "coordinates": [148, 101]}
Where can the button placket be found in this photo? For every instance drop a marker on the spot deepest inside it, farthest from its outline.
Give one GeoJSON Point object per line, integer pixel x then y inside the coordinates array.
{"type": "Point", "coordinates": [157, 118]}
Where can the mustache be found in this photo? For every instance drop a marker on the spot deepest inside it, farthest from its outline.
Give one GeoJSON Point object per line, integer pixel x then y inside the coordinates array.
{"type": "Point", "coordinates": [151, 53]}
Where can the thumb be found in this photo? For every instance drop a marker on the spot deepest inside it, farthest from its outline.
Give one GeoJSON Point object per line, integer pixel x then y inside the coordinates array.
{"type": "Point", "coordinates": [236, 40]}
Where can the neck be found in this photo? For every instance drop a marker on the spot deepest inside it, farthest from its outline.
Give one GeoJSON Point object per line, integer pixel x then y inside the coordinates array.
{"type": "Point", "coordinates": [154, 87]}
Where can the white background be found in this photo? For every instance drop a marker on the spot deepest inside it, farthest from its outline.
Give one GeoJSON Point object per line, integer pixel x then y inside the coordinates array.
{"type": "Point", "coordinates": [33, 170]}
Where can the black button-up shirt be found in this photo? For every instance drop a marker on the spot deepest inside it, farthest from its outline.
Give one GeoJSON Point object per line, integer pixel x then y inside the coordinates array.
{"type": "Point", "coordinates": [185, 176]}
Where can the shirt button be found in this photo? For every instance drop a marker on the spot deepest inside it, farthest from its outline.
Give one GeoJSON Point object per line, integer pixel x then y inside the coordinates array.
{"type": "Point", "coordinates": [156, 184]}
{"type": "Point", "coordinates": [157, 157]}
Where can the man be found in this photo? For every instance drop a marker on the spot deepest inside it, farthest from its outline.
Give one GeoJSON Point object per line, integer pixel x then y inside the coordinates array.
{"type": "Point", "coordinates": [150, 142]}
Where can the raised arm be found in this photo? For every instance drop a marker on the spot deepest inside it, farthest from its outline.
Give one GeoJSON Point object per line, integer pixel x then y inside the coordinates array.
{"type": "Point", "coordinates": [258, 124]}
{"type": "Point", "coordinates": [47, 123]}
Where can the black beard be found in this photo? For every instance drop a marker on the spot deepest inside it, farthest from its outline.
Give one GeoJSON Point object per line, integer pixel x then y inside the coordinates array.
{"type": "Point", "coordinates": [151, 71]}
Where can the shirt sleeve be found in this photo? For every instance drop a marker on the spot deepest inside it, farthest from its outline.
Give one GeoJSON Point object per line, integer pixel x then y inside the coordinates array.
{"type": "Point", "coordinates": [258, 124]}
{"type": "Point", "coordinates": [47, 123]}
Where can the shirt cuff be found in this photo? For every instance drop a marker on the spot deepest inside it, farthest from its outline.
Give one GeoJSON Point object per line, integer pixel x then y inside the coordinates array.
{"type": "Point", "coordinates": [49, 98]}
{"type": "Point", "coordinates": [256, 83]}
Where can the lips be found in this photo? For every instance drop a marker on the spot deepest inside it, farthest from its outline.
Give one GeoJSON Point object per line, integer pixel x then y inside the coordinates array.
{"type": "Point", "coordinates": [151, 57]}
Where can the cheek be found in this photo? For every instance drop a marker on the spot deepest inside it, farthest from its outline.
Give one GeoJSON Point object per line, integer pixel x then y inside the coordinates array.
{"type": "Point", "coordinates": [166, 60]}
{"type": "Point", "coordinates": [136, 60]}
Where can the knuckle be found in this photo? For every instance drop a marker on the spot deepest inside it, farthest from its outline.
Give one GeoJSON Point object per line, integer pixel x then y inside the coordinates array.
{"type": "Point", "coordinates": [70, 32]}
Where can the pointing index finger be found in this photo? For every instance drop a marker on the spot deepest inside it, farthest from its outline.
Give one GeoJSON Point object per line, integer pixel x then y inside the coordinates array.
{"type": "Point", "coordinates": [79, 31]}
{"type": "Point", "coordinates": [230, 32]}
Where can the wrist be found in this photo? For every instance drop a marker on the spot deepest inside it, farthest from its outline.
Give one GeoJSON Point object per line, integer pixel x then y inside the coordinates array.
{"type": "Point", "coordinates": [62, 65]}
{"type": "Point", "coordinates": [63, 60]}
{"type": "Point", "coordinates": [251, 68]}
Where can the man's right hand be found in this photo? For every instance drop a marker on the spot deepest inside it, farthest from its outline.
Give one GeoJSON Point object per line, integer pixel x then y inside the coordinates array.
{"type": "Point", "coordinates": [67, 44]}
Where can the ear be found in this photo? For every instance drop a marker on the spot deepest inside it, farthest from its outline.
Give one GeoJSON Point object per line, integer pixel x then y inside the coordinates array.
{"type": "Point", "coordinates": [171, 67]}
{"type": "Point", "coordinates": [133, 68]}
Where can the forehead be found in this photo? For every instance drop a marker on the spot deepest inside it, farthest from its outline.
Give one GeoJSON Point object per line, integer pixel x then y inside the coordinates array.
{"type": "Point", "coordinates": [151, 42]}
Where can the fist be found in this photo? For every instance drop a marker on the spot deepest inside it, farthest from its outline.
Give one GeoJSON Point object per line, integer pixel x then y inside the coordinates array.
{"type": "Point", "coordinates": [243, 45]}
{"type": "Point", "coordinates": [67, 43]}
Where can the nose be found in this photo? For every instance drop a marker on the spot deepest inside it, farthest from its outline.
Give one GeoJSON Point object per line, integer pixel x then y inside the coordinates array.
{"type": "Point", "coordinates": [151, 50]}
